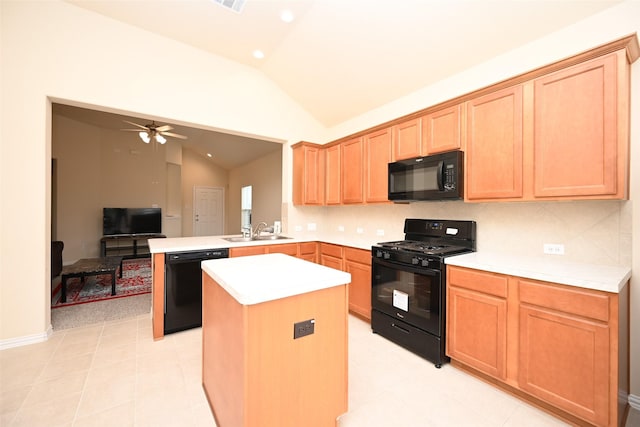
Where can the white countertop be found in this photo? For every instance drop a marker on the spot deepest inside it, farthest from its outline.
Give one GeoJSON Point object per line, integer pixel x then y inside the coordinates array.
{"type": "Point", "coordinates": [184, 244]}
{"type": "Point", "coordinates": [260, 278]}
{"type": "Point", "coordinates": [589, 276]}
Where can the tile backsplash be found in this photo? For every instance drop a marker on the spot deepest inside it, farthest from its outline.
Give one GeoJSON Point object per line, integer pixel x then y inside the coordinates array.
{"type": "Point", "coordinates": [593, 231]}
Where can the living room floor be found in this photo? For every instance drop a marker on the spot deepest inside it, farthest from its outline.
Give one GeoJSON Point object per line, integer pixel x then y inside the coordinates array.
{"type": "Point", "coordinates": [113, 373]}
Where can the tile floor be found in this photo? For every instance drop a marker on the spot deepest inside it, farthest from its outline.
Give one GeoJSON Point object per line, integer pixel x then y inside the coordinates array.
{"type": "Point", "coordinates": [114, 374]}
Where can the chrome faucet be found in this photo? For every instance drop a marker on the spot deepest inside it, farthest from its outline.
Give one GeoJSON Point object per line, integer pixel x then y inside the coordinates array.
{"type": "Point", "coordinates": [259, 228]}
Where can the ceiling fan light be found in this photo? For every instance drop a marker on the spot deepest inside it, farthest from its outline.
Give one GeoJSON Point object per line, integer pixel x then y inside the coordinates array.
{"type": "Point", "coordinates": [161, 139]}
{"type": "Point", "coordinates": [144, 136]}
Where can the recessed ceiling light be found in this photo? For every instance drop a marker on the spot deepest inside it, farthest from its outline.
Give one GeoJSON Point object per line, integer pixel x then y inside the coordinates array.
{"type": "Point", "coordinates": [258, 54]}
{"type": "Point", "coordinates": [286, 15]}
{"type": "Point", "coordinates": [209, 155]}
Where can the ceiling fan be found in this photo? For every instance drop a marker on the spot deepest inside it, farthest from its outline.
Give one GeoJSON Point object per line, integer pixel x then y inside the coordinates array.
{"type": "Point", "coordinates": [153, 131]}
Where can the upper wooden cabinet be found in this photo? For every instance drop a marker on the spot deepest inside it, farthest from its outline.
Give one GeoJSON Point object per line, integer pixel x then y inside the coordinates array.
{"type": "Point", "coordinates": [494, 145]}
{"type": "Point", "coordinates": [352, 171]}
{"type": "Point", "coordinates": [407, 137]}
{"type": "Point", "coordinates": [333, 171]}
{"type": "Point", "coordinates": [308, 174]}
{"type": "Point", "coordinates": [442, 130]}
{"type": "Point", "coordinates": [378, 154]}
{"type": "Point", "coordinates": [576, 130]}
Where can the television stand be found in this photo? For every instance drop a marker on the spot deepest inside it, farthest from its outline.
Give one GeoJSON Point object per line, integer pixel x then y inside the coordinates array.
{"type": "Point", "coordinates": [127, 246]}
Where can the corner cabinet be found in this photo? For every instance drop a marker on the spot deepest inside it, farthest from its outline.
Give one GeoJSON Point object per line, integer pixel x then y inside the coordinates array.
{"type": "Point", "coordinates": [308, 174]}
{"type": "Point", "coordinates": [559, 347]}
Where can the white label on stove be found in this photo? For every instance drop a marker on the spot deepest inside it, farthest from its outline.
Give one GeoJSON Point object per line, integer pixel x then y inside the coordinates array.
{"type": "Point", "coordinates": [452, 231]}
{"type": "Point", "coordinates": [400, 300]}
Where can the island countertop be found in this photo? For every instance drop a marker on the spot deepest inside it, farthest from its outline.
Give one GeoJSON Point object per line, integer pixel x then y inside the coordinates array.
{"type": "Point", "coordinates": [260, 278]}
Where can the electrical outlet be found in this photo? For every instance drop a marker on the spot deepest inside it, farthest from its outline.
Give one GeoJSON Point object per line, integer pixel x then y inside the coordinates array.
{"type": "Point", "coordinates": [311, 226]}
{"type": "Point", "coordinates": [359, 230]}
{"type": "Point", "coordinates": [379, 232]}
{"type": "Point", "coordinates": [553, 248]}
{"type": "Point", "coordinates": [298, 228]}
{"type": "Point", "coordinates": [304, 328]}
{"type": "Point", "coordinates": [341, 228]}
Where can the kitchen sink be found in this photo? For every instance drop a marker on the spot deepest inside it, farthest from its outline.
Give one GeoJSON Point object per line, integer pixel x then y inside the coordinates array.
{"type": "Point", "coordinates": [238, 239]}
{"type": "Point", "coordinates": [272, 237]}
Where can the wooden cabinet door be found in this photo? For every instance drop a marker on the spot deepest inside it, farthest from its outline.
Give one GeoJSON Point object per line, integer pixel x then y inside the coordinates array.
{"type": "Point", "coordinates": [247, 250]}
{"type": "Point", "coordinates": [333, 195]}
{"type": "Point", "coordinates": [378, 152]}
{"type": "Point", "coordinates": [357, 262]}
{"type": "Point", "coordinates": [407, 139]}
{"type": "Point", "coordinates": [331, 255]}
{"type": "Point", "coordinates": [308, 175]}
{"type": "Point", "coordinates": [308, 251]}
{"type": "Point", "coordinates": [442, 130]}
{"type": "Point", "coordinates": [576, 130]}
{"type": "Point", "coordinates": [284, 248]}
{"type": "Point", "coordinates": [564, 360]}
{"type": "Point", "coordinates": [352, 171]}
{"type": "Point", "coordinates": [477, 330]}
{"type": "Point", "coordinates": [494, 146]}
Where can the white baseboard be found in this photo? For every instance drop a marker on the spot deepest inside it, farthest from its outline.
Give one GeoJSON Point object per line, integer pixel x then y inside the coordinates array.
{"type": "Point", "coordinates": [634, 402]}
{"type": "Point", "coordinates": [26, 340]}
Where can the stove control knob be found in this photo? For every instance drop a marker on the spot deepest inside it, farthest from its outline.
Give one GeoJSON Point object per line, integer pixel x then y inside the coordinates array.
{"type": "Point", "coordinates": [378, 253]}
{"type": "Point", "coordinates": [425, 263]}
{"type": "Point", "coordinates": [386, 255]}
{"type": "Point", "coordinates": [415, 260]}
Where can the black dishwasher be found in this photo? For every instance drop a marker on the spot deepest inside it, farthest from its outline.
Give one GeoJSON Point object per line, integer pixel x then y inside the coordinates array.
{"type": "Point", "coordinates": [183, 288]}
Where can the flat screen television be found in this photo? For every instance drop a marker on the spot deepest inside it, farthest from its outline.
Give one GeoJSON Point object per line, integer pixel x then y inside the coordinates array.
{"type": "Point", "coordinates": [131, 221]}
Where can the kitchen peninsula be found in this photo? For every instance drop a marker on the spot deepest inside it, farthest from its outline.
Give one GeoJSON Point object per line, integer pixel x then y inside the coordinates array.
{"type": "Point", "coordinates": [274, 341]}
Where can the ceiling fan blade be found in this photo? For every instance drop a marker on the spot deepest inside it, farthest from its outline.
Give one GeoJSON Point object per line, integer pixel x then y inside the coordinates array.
{"type": "Point", "coordinates": [163, 128]}
{"type": "Point", "coordinates": [175, 135]}
{"type": "Point", "coordinates": [135, 124]}
{"type": "Point", "coordinates": [132, 130]}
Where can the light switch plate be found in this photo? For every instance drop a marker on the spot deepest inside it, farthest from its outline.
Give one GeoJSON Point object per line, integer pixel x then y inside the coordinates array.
{"type": "Point", "coordinates": [553, 248]}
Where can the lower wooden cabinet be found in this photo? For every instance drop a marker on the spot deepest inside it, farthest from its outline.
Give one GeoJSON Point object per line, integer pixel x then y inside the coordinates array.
{"type": "Point", "coordinates": [552, 344]}
{"type": "Point", "coordinates": [331, 255]}
{"type": "Point", "coordinates": [477, 320]}
{"type": "Point", "coordinates": [306, 250]}
{"type": "Point", "coordinates": [357, 262]}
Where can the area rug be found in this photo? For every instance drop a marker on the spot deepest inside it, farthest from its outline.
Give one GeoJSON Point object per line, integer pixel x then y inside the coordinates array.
{"type": "Point", "coordinates": [135, 280]}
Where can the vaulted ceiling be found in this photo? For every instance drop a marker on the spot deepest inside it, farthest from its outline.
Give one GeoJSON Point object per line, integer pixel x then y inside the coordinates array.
{"type": "Point", "coordinates": [341, 58]}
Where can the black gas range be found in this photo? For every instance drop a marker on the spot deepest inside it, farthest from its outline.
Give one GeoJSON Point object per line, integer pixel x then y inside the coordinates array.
{"type": "Point", "coordinates": [408, 284]}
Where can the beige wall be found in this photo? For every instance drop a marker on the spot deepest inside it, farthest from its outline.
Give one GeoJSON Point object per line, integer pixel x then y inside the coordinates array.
{"type": "Point", "coordinates": [199, 171]}
{"type": "Point", "coordinates": [265, 177]}
{"type": "Point", "coordinates": [100, 168]}
{"type": "Point", "coordinates": [101, 68]}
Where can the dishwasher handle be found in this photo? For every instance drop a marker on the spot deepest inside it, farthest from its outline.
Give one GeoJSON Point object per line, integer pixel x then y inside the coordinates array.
{"type": "Point", "coordinates": [180, 257]}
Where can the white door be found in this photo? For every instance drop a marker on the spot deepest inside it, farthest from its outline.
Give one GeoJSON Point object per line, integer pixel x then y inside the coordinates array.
{"type": "Point", "coordinates": [208, 211]}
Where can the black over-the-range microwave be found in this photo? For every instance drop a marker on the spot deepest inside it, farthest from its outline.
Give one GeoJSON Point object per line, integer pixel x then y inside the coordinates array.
{"type": "Point", "coordinates": [435, 177]}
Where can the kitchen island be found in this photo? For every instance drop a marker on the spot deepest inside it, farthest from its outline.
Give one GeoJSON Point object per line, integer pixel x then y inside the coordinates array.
{"type": "Point", "coordinates": [274, 341]}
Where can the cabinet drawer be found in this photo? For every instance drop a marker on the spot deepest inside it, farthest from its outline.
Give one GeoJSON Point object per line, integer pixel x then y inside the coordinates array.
{"type": "Point", "coordinates": [487, 283]}
{"type": "Point", "coordinates": [574, 301]}
{"type": "Point", "coordinates": [357, 255]}
{"type": "Point", "coordinates": [308, 248]}
{"type": "Point", "coordinates": [331, 250]}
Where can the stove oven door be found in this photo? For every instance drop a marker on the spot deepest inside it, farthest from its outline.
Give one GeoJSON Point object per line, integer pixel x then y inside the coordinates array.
{"type": "Point", "coordinates": [407, 293]}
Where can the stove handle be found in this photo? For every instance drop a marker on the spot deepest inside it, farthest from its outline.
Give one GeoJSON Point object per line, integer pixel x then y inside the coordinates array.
{"type": "Point", "coordinates": [400, 328]}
